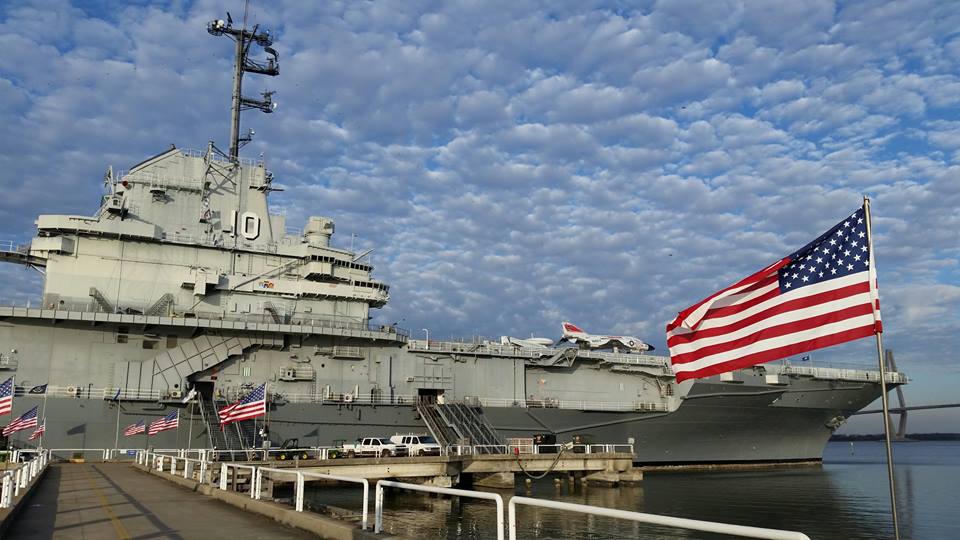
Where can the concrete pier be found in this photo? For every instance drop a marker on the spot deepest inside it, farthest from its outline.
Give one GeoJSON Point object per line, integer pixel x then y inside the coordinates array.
{"type": "Point", "coordinates": [499, 471]}
{"type": "Point", "coordinates": [114, 500]}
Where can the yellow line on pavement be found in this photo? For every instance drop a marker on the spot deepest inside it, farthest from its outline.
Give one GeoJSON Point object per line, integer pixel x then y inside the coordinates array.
{"type": "Point", "coordinates": [122, 533]}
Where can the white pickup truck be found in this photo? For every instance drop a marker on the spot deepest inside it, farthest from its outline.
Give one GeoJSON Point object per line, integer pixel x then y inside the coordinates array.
{"type": "Point", "coordinates": [374, 446]}
{"type": "Point", "coordinates": [418, 445]}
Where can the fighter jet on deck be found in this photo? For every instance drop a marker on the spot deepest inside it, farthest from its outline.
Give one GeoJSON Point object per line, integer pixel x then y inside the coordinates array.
{"type": "Point", "coordinates": [575, 334]}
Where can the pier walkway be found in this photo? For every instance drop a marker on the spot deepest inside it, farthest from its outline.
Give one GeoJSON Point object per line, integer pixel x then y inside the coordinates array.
{"type": "Point", "coordinates": [115, 500]}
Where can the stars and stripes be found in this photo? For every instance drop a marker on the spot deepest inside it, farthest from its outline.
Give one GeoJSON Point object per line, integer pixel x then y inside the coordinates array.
{"type": "Point", "coordinates": [252, 405]}
{"type": "Point", "coordinates": [170, 421]}
{"type": "Point", "coordinates": [6, 396]}
{"type": "Point", "coordinates": [37, 433]}
{"type": "Point", "coordinates": [134, 429]}
{"type": "Point", "coordinates": [26, 420]}
{"type": "Point", "coordinates": [821, 295]}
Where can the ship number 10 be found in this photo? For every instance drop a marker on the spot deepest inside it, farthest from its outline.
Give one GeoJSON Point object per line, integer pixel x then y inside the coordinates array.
{"type": "Point", "coordinates": [248, 225]}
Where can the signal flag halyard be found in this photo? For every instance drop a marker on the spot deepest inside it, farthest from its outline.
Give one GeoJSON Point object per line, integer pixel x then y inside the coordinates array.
{"type": "Point", "coordinates": [821, 295]}
{"type": "Point", "coordinates": [26, 420]}
{"type": "Point", "coordinates": [170, 421]}
{"type": "Point", "coordinates": [6, 396]}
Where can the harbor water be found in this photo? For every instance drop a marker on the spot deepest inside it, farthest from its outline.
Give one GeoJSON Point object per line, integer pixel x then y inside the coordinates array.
{"type": "Point", "coordinates": [846, 498]}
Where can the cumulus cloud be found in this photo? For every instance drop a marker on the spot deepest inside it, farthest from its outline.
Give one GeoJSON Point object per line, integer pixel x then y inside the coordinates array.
{"type": "Point", "coordinates": [516, 163]}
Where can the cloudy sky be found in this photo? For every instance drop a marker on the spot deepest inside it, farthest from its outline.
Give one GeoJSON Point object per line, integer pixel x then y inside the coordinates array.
{"type": "Point", "coordinates": [514, 164]}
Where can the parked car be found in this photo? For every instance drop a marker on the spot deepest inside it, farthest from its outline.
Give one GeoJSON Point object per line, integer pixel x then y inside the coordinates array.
{"type": "Point", "coordinates": [418, 445]}
{"type": "Point", "coordinates": [374, 446]}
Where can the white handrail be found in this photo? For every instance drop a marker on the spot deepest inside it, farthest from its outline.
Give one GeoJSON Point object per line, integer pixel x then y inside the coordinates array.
{"type": "Point", "coordinates": [378, 519]}
{"type": "Point", "coordinates": [299, 489]}
{"type": "Point", "coordinates": [19, 477]}
{"type": "Point", "coordinates": [653, 519]}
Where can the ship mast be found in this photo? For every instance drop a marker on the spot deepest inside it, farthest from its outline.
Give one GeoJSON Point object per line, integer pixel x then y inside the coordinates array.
{"type": "Point", "coordinates": [242, 63]}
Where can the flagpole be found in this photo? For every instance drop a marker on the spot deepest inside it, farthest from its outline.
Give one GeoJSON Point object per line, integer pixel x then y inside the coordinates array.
{"type": "Point", "coordinates": [190, 431]}
{"type": "Point", "coordinates": [44, 414]}
{"type": "Point", "coordinates": [116, 432]}
{"type": "Point", "coordinates": [883, 388]}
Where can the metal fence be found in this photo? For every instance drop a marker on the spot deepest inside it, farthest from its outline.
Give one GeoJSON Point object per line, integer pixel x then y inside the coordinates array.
{"type": "Point", "coordinates": [20, 476]}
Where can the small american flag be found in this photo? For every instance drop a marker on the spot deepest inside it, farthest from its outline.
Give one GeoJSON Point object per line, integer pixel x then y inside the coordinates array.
{"type": "Point", "coordinates": [252, 405]}
{"type": "Point", "coordinates": [821, 295]}
{"type": "Point", "coordinates": [170, 421]}
{"type": "Point", "coordinates": [26, 420]}
{"type": "Point", "coordinates": [38, 432]}
{"type": "Point", "coordinates": [134, 429]}
{"type": "Point", "coordinates": [6, 397]}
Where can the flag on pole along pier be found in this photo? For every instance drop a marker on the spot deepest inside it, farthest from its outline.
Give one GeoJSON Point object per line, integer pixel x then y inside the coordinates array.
{"type": "Point", "coordinates": [38, 432]}
{"type": "Point", "coordinates": [224, 414]}
{"type": "Point", "coordinates": [26, 420]}
{"type": "Point", "coordinates": [170, 421]}
{"type": "Point", "coordinates": [252, 405]}
{"type": "Point", "coordinates": [6, 396]}
{"type": "Point", "coordinates": [41, 389]}
{"type": "Point", "coordinates": [821, 295]}
{"type": "Point", "coordinates": [134, 429]}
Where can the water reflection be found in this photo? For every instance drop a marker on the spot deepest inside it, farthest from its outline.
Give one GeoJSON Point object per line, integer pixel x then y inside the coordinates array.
{"type": "Point", "coordinates": [846, 498]}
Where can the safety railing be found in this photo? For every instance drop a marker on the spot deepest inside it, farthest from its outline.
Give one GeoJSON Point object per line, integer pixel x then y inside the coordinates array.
{"type": "Point", "coordinates": [133, 313]}
{"type": "Point", "coordinates": [299, 489]}
{"type": "Point", "coordinates": [230, 475]}
{"type": "Point", "coordinates": [379, 505]}
{"type": "Point", "coordinates": [19, 477]}
{"type": "Point", "coordinates": [652, 519]}
{"type": "Point", "coordinates": [527, 449]}
{"type": "Point", "coordinates": [102, 454]}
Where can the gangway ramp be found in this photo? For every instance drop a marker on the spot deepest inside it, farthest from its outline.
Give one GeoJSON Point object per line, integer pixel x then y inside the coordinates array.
{"type": "Point", "coordinates": [115, 500]}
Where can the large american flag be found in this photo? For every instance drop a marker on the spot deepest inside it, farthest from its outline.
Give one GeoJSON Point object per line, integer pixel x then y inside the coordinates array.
{"type": "Point", "coordinates": [38, 432]}
{"type": "Point", "coordinates": [26, 420]}
{"type": "Point", "coordinates": [170, 421]}
{"type": "Point", "coordinates": [252, 405]}
{"type": "Point", "coordinates": [134, 429]}
{"type": "Point", "coordinates": [821, 295]}
{"type": "Point", "coordinates": [6, 396]}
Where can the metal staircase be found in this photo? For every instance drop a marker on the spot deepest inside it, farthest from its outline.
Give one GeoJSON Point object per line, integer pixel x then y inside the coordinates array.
{"type": "Point", "coordinates": [459, 423]}
{"type": "Point", "coordinates": [226, 439]}
{"type": "Point", "coordinates": [161, 306]}
{"type": "Point", "coordinates": [441, 431]}
{"type": "Point", "coordinates": [470, 423]}
{"type": "Point", "coordinates": [101, 300]}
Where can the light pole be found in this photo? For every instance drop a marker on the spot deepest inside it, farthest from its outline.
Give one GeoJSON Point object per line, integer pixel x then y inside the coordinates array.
{"type": "Point", "coordinates": [427, 332]}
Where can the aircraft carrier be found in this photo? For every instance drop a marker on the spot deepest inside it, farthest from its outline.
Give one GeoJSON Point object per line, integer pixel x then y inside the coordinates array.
{"type": "Point", "coordinates": [183, 279]}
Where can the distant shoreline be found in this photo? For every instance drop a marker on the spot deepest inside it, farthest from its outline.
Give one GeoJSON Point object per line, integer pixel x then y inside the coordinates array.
{"type": "Point", "coordinates": [910, 436]}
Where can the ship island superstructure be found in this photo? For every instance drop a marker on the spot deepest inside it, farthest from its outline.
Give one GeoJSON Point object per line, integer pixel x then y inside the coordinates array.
{"type": "Point", "coordinates": [183, 279]}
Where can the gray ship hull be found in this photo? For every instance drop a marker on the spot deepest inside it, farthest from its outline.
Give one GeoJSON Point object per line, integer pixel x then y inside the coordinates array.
{"type": "Point", "coordinates": [712, 426]}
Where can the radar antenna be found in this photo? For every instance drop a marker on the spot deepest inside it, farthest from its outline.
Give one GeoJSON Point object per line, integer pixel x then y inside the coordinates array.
{"type": "Point", "coordinates": [242, 63]}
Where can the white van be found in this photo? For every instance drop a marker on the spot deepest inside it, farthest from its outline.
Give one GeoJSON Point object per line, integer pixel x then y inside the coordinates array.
{"type": "Point", "coordinates": [417, 445]}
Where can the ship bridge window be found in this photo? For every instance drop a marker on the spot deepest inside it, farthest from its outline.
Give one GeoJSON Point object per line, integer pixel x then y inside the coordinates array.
{"type": "Point", "coordinates": [149, 344]}
{"type": "Point", "coordinates": [121, 338]}
{"type": "Point", "coordinates": [171, 342]}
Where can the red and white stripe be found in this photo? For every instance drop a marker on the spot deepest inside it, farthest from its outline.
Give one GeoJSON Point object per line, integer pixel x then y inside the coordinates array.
{"type": "Point", "coordinates": [163, 424]}
{"type": "Point", "coordinates": [38, 432]}
{"type": "Point", "coordinates": [134, 429]}
{"type": "Point", "coordinates": [245, 411]}
{"type": "Point", "coordinates": [6, 405]}
{"type": "Point", "coordinates": [224, 414]}
{"type": "Point", "coordinates": [752, 322]}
